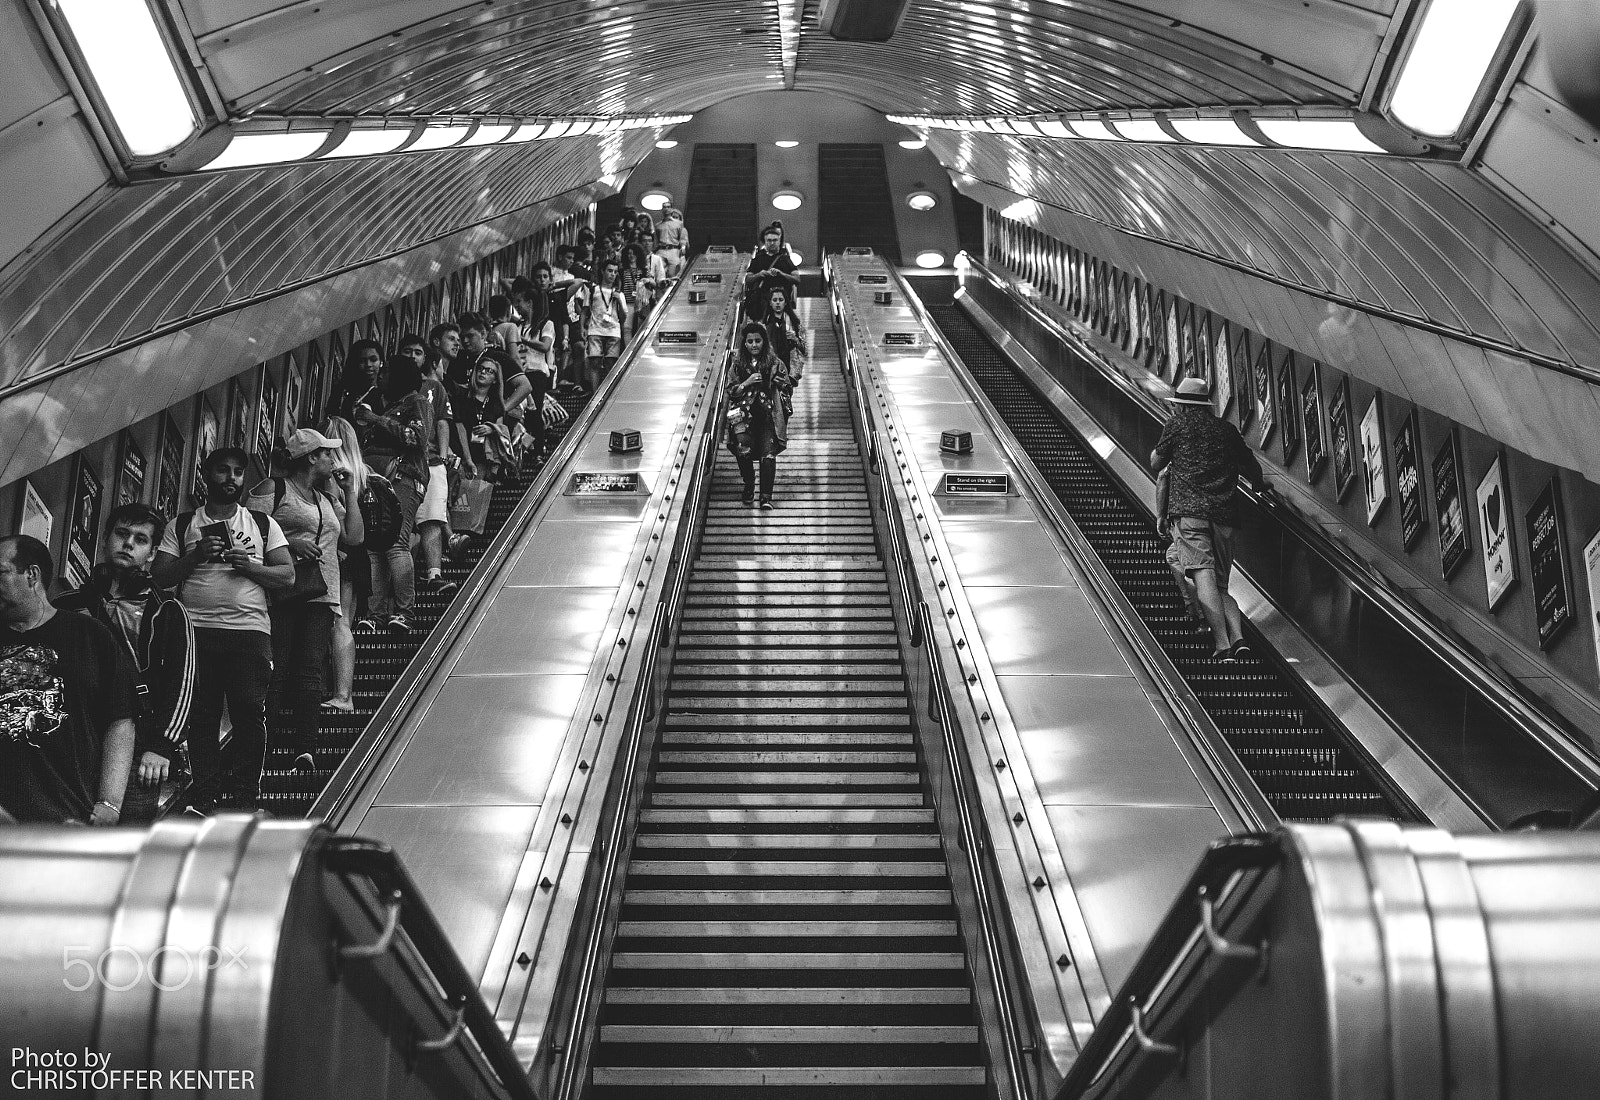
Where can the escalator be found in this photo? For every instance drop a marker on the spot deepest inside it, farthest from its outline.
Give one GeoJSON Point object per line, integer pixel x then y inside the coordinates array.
{"type": "Point", "coordinates": [382, 657]}
{"type": "Point", "coordinates": [1297, 757]}
{"type": "Point", "coordinates": [787, 918]}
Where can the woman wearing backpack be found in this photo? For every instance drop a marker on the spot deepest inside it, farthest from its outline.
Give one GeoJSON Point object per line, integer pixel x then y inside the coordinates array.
{"type": "Point", "coordinates": [380, 518]}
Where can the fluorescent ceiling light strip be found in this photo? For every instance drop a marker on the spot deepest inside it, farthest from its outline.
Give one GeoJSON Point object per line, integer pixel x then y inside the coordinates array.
{"type": "Point", "coordinates": [1212, 131]}
{"type": "Point", "coordinates": [368, 143]}
{"type": "Point", "coordinates": [1339, 134]}
{"type": "Point", "coordinates": [526, 132]}
{"type": "Point", "coordinates": [1141, 129]}
{"type": "Point", "coordinates": [439, 137]}
{"type": "Point", "coordinates": [789, 38]}
{"type": "Point", "coordinates": [134, 72]}
{"type": "Point", "coordinates": [490, 134]}
{"type": "Point", "coordinates": [1448, 62]}
{"type": "Point", "coordinates": [285, 146]}
{"type": "Point", "coordinates": [1054, 127]}
{"type": "Point", "coordinates": [1093, 129]}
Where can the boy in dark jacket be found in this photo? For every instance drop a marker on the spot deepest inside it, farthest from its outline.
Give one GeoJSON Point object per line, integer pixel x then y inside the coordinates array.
{"type": "Point", "coordinates": [154, 627]}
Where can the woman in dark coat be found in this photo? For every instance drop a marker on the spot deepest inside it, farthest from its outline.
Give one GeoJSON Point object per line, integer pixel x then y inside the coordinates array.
{"type": "Point", "coordinates": [758, 410]}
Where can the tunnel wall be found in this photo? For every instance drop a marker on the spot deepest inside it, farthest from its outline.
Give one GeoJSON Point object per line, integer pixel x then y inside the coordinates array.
{"type": "Point", "coordinates": [1561, 671]}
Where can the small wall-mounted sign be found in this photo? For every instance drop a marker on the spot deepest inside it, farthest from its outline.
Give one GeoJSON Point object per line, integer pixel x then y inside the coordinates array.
{"type": "Point", "coordinates": [883, 297]}
{"type": "Point", "coordinates": [593, 484]}
{"type": "Point", "coordinates": [697, 297]}
{"type": "Point", "coordinates": [677, 336]}
{"type": "Point", "coordinates": [706, 277]}
{"type": "Point", "coordinates": [873, 280]}
{"type": "Point", "coordinates": [625, 441]}
{"type": "Point", "coordinates": [858, 250]}
{"type": "Point", "coordinates": [977, 485]}
{"type": "Point", "coordinates": [902, 339]}
{"type": "Point", "coordinates": [720, 250]}
{"type": "Point", "coordinates": [955, 441]}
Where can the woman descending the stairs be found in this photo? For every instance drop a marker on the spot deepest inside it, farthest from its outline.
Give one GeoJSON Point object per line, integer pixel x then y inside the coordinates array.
{"type": "Point", "coordinates": [759, 403]}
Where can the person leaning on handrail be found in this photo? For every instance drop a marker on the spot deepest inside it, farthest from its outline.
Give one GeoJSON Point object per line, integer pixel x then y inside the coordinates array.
{"type": "Point", "coordinates": [759, 389]}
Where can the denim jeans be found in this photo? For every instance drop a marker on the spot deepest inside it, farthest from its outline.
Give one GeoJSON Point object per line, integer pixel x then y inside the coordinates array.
{"type": "Point", "coordinates": [302, 633]}
{"type": "Point", "coordinates": [394, 576]}
{"type": "Point", "coordinates": [232, 667]}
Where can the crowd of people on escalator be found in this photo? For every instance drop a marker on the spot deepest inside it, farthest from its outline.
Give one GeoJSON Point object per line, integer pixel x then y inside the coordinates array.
{"type": "Point", "coordinates": [248, 605]}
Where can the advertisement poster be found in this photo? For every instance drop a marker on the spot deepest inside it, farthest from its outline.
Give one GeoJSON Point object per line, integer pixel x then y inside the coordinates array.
{"type": "Point", "coordinates": [1375, 477]}
{"type": "Point", "coordinates": [1288, 404]}
{"type": "Point", "coordinates": [266, 418]}
{"type": "Point", "coordinates": [205, 441]}
{"type": "Point", "coordinates": [239, 423]}
{"type": "Point", "coordinates": [294, 386]}
{"type": "Point", "coordinates": [1136, 323]}
{"type": "Point", "coordinates": [1591, 569]}
{"type": "Point", "coordinates": [1311, 419]}
{"type": "Point", "coordinates": [316, 374]}
{"type": "Point", "coordinates": [1263, 391]}
{"type": "Point", "coordinates": [1454, 538]}
{"type": "Point", "coordinates": [1547, 564]}
{"type": "Point", "coordinates": [169, 478]}
{"type": "Point", "coordinates": [1149, 310]}
{"type": "Point", "coordinates": [130, 471]}
{"type": "Point", "coordinates": [1494, 524]}
{"type": "Point", "coordinates": [34, 517]}
{"type": "Point", "coordinates": [1241, 382]}
{"type": "Point", "coordinates": [1221, 371]}
{"type": "Point", "coordinates": [1341, 432]}
{"type": "Point", "coordinates": [1171, 345]}
{"type": "Point", "coordinates": [1408, 483]}
{"type": "Point", "coordinates": [85, 525]}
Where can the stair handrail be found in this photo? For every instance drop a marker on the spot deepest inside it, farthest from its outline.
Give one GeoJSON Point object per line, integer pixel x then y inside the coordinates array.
{"type": "Point", "coordinates": [641, 712]}
{"type": "Point", "coordinates": [407, 914]}
{"type": "Point", "coordinates": [974, 845]}
{"type": "Point", "coordinates": [348, 778]}
{"type": "Point", "coordinates": [1523, 712]}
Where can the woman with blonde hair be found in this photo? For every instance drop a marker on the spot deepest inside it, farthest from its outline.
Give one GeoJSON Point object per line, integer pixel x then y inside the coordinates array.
{"type": "Point", "coordinates": [355, 576]}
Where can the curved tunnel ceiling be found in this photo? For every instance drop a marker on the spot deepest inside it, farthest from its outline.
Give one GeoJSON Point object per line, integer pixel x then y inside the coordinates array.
{"type": "Point", "coordinates": [1480, 250]}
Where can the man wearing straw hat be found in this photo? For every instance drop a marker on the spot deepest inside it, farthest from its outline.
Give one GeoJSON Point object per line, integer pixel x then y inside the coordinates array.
{"type": "Point", "coordinates": [1204, 457]}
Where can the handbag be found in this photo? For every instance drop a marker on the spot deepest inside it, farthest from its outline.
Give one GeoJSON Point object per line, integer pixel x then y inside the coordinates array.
{"type": "Point", "coordinates": [309, 582]}
{"type": "Point", "coordinates": [469, 506]}
{"type": "Point", "coordinates": [553, 413]}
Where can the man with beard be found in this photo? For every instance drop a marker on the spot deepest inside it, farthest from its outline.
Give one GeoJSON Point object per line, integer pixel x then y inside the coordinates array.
{"type": "Point", "coordinates": [154, 631]}
{"type": "Point", "coordinates": [224, 559]}
{"type": "Point", "coordinates": [66, 701]}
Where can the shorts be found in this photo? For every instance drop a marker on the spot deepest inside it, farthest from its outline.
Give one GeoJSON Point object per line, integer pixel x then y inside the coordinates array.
{"type": "Point", "coordinates": [604, 347]}
{"type": "Point", "coordinates": [435, 507]}
{"type": "Point", "coordinates": [1200, 544]}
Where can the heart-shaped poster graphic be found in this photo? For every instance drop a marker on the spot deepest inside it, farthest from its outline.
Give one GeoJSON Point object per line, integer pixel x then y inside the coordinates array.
{"type": "Point", "coordinates": [1491, 509]}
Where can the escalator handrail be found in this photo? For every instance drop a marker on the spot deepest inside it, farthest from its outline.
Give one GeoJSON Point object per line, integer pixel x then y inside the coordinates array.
{"type": "Point", "coordinates": [1523, 713]}
{"type": "Point", "coordinates": [1230, 870]}
{"type": "Point", "coordinates": [973, 844]}
{"type": "Point", "coordinates": [1248, 805]}
{"type": "Point", "coordinates": [591, 963]}
{"type": "Point", "coordinates": [377, 862]}
{"type": "Point", "coordinates": [339, 794]}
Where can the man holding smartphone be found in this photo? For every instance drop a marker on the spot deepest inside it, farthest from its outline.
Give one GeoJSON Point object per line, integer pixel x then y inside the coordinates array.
{"type": "Point", "coordinates": [224, 559]}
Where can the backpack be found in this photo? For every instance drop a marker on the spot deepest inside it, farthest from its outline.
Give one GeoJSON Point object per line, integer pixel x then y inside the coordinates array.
{"type": "Point", "coordinates": [380, 515]}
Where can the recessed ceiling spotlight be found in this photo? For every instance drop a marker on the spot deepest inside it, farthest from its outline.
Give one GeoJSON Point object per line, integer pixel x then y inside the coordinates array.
{"type": "Point", "coordinates": [788, 199]}
{"type": "Point", "coordinates": [930, 258]}
{"type": "Point", "coordinates": [922, 200]}
{"type": "Point", "coordinates": [786, 144]}
{"type": "Point", "coordinates": [655, 199]}
{"type": "Point", "coordinates": [914, 143]}
{"type": "Point", "coordinates": [666, 143]}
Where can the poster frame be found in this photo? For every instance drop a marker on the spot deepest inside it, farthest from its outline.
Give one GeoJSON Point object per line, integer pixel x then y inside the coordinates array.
{"type": "Point", "coordinates": [1369, 436]}
{"type": "Point", "coordinates": [1311, 418]}
{"type": "Point", "coordinates": [169, 468]}
{"type": "Point", "coordinates": [1452, 551]}
{"type": "Point", "coordinates": [1341, 426]}
{"type": "Point", "coordinates": [128, 447]}
{"type": "Point", "coordinates": [33, 514]}
{"type": "Point", "coordinates": [1262, 387]}
{"type": "Point", "coordinates": [1288, 405]}
{"type": "Point", "coordinates": [1410, 435]}
{"type": "Point", "coordinates": [1493, 479]}
{"type": "Point", "coordinates": [1549, 632]}
{"type": "Point", "coordinates": [83, 522]}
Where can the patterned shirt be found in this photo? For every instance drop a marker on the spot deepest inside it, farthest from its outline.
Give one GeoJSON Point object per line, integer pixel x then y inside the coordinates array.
{"type": "Point", "coordinates": [1206, 456]}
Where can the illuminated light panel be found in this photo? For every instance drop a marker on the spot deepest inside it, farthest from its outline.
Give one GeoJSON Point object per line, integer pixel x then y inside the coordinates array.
{"type": "Point", "coordinates": [579, 126]}
{"type": "Point", "coordinates": [655, 199]}
{"type": "Point", "coordinates": [557, 129]}
{"type": "Point", "coordinates": [246, 150]}
{"type": "Point", "coordinates": [489, 135]}
{"type": "Point", "coordinates": [1141, 129]}
{"type": "Point", "coordinates": [789, 38]}
{"type": "Point", "coordinates": [788, 199]}
{"type": "Point", "coordinates": [930, 258]}
{"type": "Point", "coordinates": [1318, 133]}
{"type": "Point", "coordinates": [439, 137]}
{"type": "Point", "coordinates": [786, 144]}
{"type": "Point", "coordinates": [666, 143]}
{"type": "Point", "coordinates": [528, 131]}
{"type": "Point", "coordinates": [368, 143]}
{"type": "Point", "coordinates": [922, 200]}
{"type": "Point", "coordinates": [129, 62]}
{"type": "Point", "coordinates": [1093, 129]}
{"type": "Point", "coordinates": [1054, 127]}
{"type": "Point", "coordinates": [914, 143]}
{"type": "Point", "coordinates": [1448, 62]}
{"type": "Point", "coordinates": [1025, 127]}
{"type": "Point", "coordinates": [1213, 131]}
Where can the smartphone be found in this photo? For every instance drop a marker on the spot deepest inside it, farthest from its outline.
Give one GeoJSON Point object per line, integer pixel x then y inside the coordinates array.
{"type": "Point", "coordinates": [218, 531]}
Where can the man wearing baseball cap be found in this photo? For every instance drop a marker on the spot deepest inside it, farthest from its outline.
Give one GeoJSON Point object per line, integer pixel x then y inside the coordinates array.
{"type": "Point", "coordinates": [223, 560]}
{"type": "Point", "coordinates": [1204, 457]}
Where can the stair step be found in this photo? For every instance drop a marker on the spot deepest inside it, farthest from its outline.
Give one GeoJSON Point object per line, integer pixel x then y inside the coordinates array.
{"type": "Point", "coordinates": [744, 1033]}
{"type": "Point", "coordinates": [770, 1076]}
{"type": "Point", "coordinates": [787, 897]}
{"type": "Point", "coordinates": [791, 928]}
{"type": "Point", "coordinates": [800, 756]}
{"type": "Point", "coordinates": [796, 738]}
{"type": "Point", "coordinates": [789, 995]}
{"type": "Point", "coordinates": [786, 799]}
{"type": "Point", "coordinates": [788, 960]}
{"type": "Point", "coordinates": [789, 868]}
{"type": "Point", "coordinates": [789, 817]}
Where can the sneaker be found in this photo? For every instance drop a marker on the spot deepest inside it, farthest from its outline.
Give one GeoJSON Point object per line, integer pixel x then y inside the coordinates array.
{"type": "Point", "coordinates": [397, 624]}
{"type": "Point", "coordinates": [441, 585]}
{"type": "Point", "coordinates": [766, 502]}
{"type": "Point", "coordinates": [457, 546]}
{"type": "Point", "coordinates": [747, 497]}
{"type": "Point", "coordinates": [366, 626]}
{"type": "Point", "coordinates": [1226, 656]}
{"type": "Point", "coordinates": [305, 762]}
{"type": "Point", "coordinates": [1241, 650]}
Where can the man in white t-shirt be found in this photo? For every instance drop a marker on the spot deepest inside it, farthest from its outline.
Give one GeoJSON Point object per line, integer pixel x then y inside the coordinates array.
{"type": "Point", "coordinates": [224, 559]}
